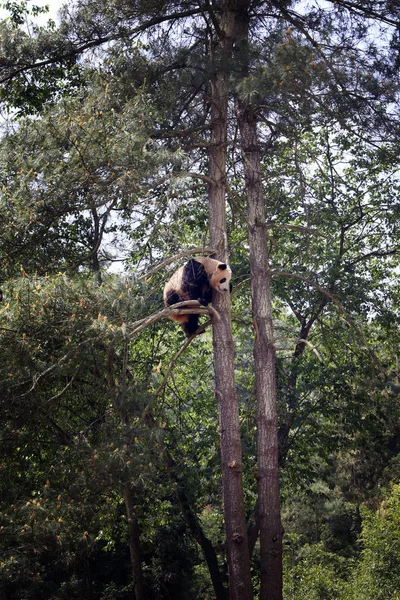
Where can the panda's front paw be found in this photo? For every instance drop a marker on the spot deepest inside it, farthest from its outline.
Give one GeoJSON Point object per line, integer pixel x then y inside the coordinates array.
{"type": "Point", "coordinates": [203, 301]}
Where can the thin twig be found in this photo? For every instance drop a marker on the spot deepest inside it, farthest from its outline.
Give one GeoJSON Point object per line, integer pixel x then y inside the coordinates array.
{"type": "Point", "coordinates": [174, 360]}
{"type": "Point", "coordinates": [188, 307]}
{"type": "Point", "coordinates": [301, 228]}
{"type": "Point", "coordinates": [297, 341]}
{"type": "Point", "coordinates": [348, 318]}
{"type": "Point", "coordinates": [57, 396]}
{"type": "Point", "coordinates": [172, 259]}
{"type": "Point", "coordinates": [38, 376]}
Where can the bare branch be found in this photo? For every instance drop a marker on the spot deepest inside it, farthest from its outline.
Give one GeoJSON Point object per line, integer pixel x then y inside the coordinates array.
{"type": "Point", "coordinates": [172, 259]}
{"type": "Point", "coordinates": [181, 132]}
{"type": "Point", "coordinates": [204, 178]}
{"type": "Point", "coordinates": [302, 229]}
{"type": "Point", "coordinates": [171, 365]}
{"type": "Point", "coordinates": [37, 377]}
{"type": "Point", "coordinates": [348, 318]}
{"type": "Point", "coordinates": [297, 341]}
{"type": "Point", "coordinates": [188, 307]}
{"type": "Point", "coordinates": [360, 9]}
{"type": "Point", "coordinates": [57, 396]}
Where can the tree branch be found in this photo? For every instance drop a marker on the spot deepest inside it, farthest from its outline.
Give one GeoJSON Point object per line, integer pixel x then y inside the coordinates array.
{"type": "Point", "coordinates": [297, 341]}
{"type": "Point", "coordinates": [172, 259]}
{"type": "Point", "coordinates": [301, 228]}
{"type": "Point", "coordinates": [348, 318]}
{"type": "Point", "coordinates": [73, 52]}
{"type": "Point", "coordinates": [188, 307]}
{"type": "Point", "coordinates": [359, 9]}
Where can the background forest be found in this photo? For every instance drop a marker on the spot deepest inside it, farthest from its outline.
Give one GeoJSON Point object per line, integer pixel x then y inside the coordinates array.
{"type": "Point", "coordinates": [110, 464]}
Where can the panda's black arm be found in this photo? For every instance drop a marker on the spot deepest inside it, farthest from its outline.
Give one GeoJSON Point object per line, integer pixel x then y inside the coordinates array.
{"type": "Point", "coordinates": [173, 297]}
{"type": "Point", "coordinates": [194, 279]}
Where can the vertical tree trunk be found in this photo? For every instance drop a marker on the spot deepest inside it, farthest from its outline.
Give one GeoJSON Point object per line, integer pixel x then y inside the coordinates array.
{"type": "Point", "coordinates": [291, 394]}
{"type": "Point", "coordinates": [129, 496]}
{"type": "Point", "coordinates": [240, 585]}
{"type": "Point", "coordinates": [191, 518]}
{"type": "Point", "coordinates": [264, 359]}
{"type": "Point", "coordinates": [134, 546]}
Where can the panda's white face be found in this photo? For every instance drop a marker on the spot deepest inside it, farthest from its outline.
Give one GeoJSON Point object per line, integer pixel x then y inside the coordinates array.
{"type": "Point", "coordinates": [221, 278]}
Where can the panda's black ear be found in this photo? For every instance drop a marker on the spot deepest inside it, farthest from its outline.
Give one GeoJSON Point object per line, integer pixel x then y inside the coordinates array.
{"type": "Point", "coordinates": [222, 267]}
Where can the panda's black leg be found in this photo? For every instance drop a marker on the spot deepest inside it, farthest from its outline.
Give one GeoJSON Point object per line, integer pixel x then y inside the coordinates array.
{"type": "Point", "coordinates": [173, 298]}
{"type": "Point", "coordinates": [206, 296]}
{"type": "Point", "coordinates": [191, 325]}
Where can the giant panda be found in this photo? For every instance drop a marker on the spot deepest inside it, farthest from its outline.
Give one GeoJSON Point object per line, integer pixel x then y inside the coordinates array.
{"type": "Point", "coordinates": [196, 281]}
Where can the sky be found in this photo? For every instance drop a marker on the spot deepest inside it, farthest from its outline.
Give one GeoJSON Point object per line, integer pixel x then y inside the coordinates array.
{"type": "Point", "coordinates": [54, 6]}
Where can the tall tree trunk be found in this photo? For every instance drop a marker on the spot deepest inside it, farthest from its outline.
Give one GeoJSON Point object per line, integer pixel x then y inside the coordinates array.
{"type": "Point", "coordinates": [264, 364]}
{"type": "Point", "coordinates": [129, 495]}
{"type": "Point", "coordinates": [240, 585]}
{"type": "Point", "coordinates": [191, 518]}
{"type": "Point", "coordinates": [292, 400]}
{"type": "Point", "coordinates": [134, 545]}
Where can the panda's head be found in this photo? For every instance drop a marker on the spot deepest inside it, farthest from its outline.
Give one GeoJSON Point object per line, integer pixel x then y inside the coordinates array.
{"type": "Point", "coordinates": [220, 278]}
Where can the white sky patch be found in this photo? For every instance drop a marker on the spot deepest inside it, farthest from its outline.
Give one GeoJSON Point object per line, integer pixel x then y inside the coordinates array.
{"type": "Point", "coordinates": [54, 7]}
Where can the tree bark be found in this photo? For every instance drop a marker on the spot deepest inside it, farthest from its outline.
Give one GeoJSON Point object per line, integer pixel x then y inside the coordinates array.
{"type": "Point", "coordinates": [264, 364]}
{"type": "Point", "coordinates": [291, 395]}
{"type": "Point", "coordinates": [191, 519]}
{"type": "Point", "coordinates": [240, 585]}
{"type": "Point", "coordinates": [129, 496]}
{"type": "Point", "coordinates": [134, 546]}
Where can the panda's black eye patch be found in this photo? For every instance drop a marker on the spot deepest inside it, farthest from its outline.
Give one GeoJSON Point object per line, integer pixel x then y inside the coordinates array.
{"type": "Point", "coordinates": [223, 280]}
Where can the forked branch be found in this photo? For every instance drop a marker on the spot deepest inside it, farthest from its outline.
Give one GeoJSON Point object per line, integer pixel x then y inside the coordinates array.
{"type": "Point", "coordinates": [346, 315]}
{"type": "Point", "coordinates": [188, 307]}
{"type": "Point", "coordinates": [171, 259]}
